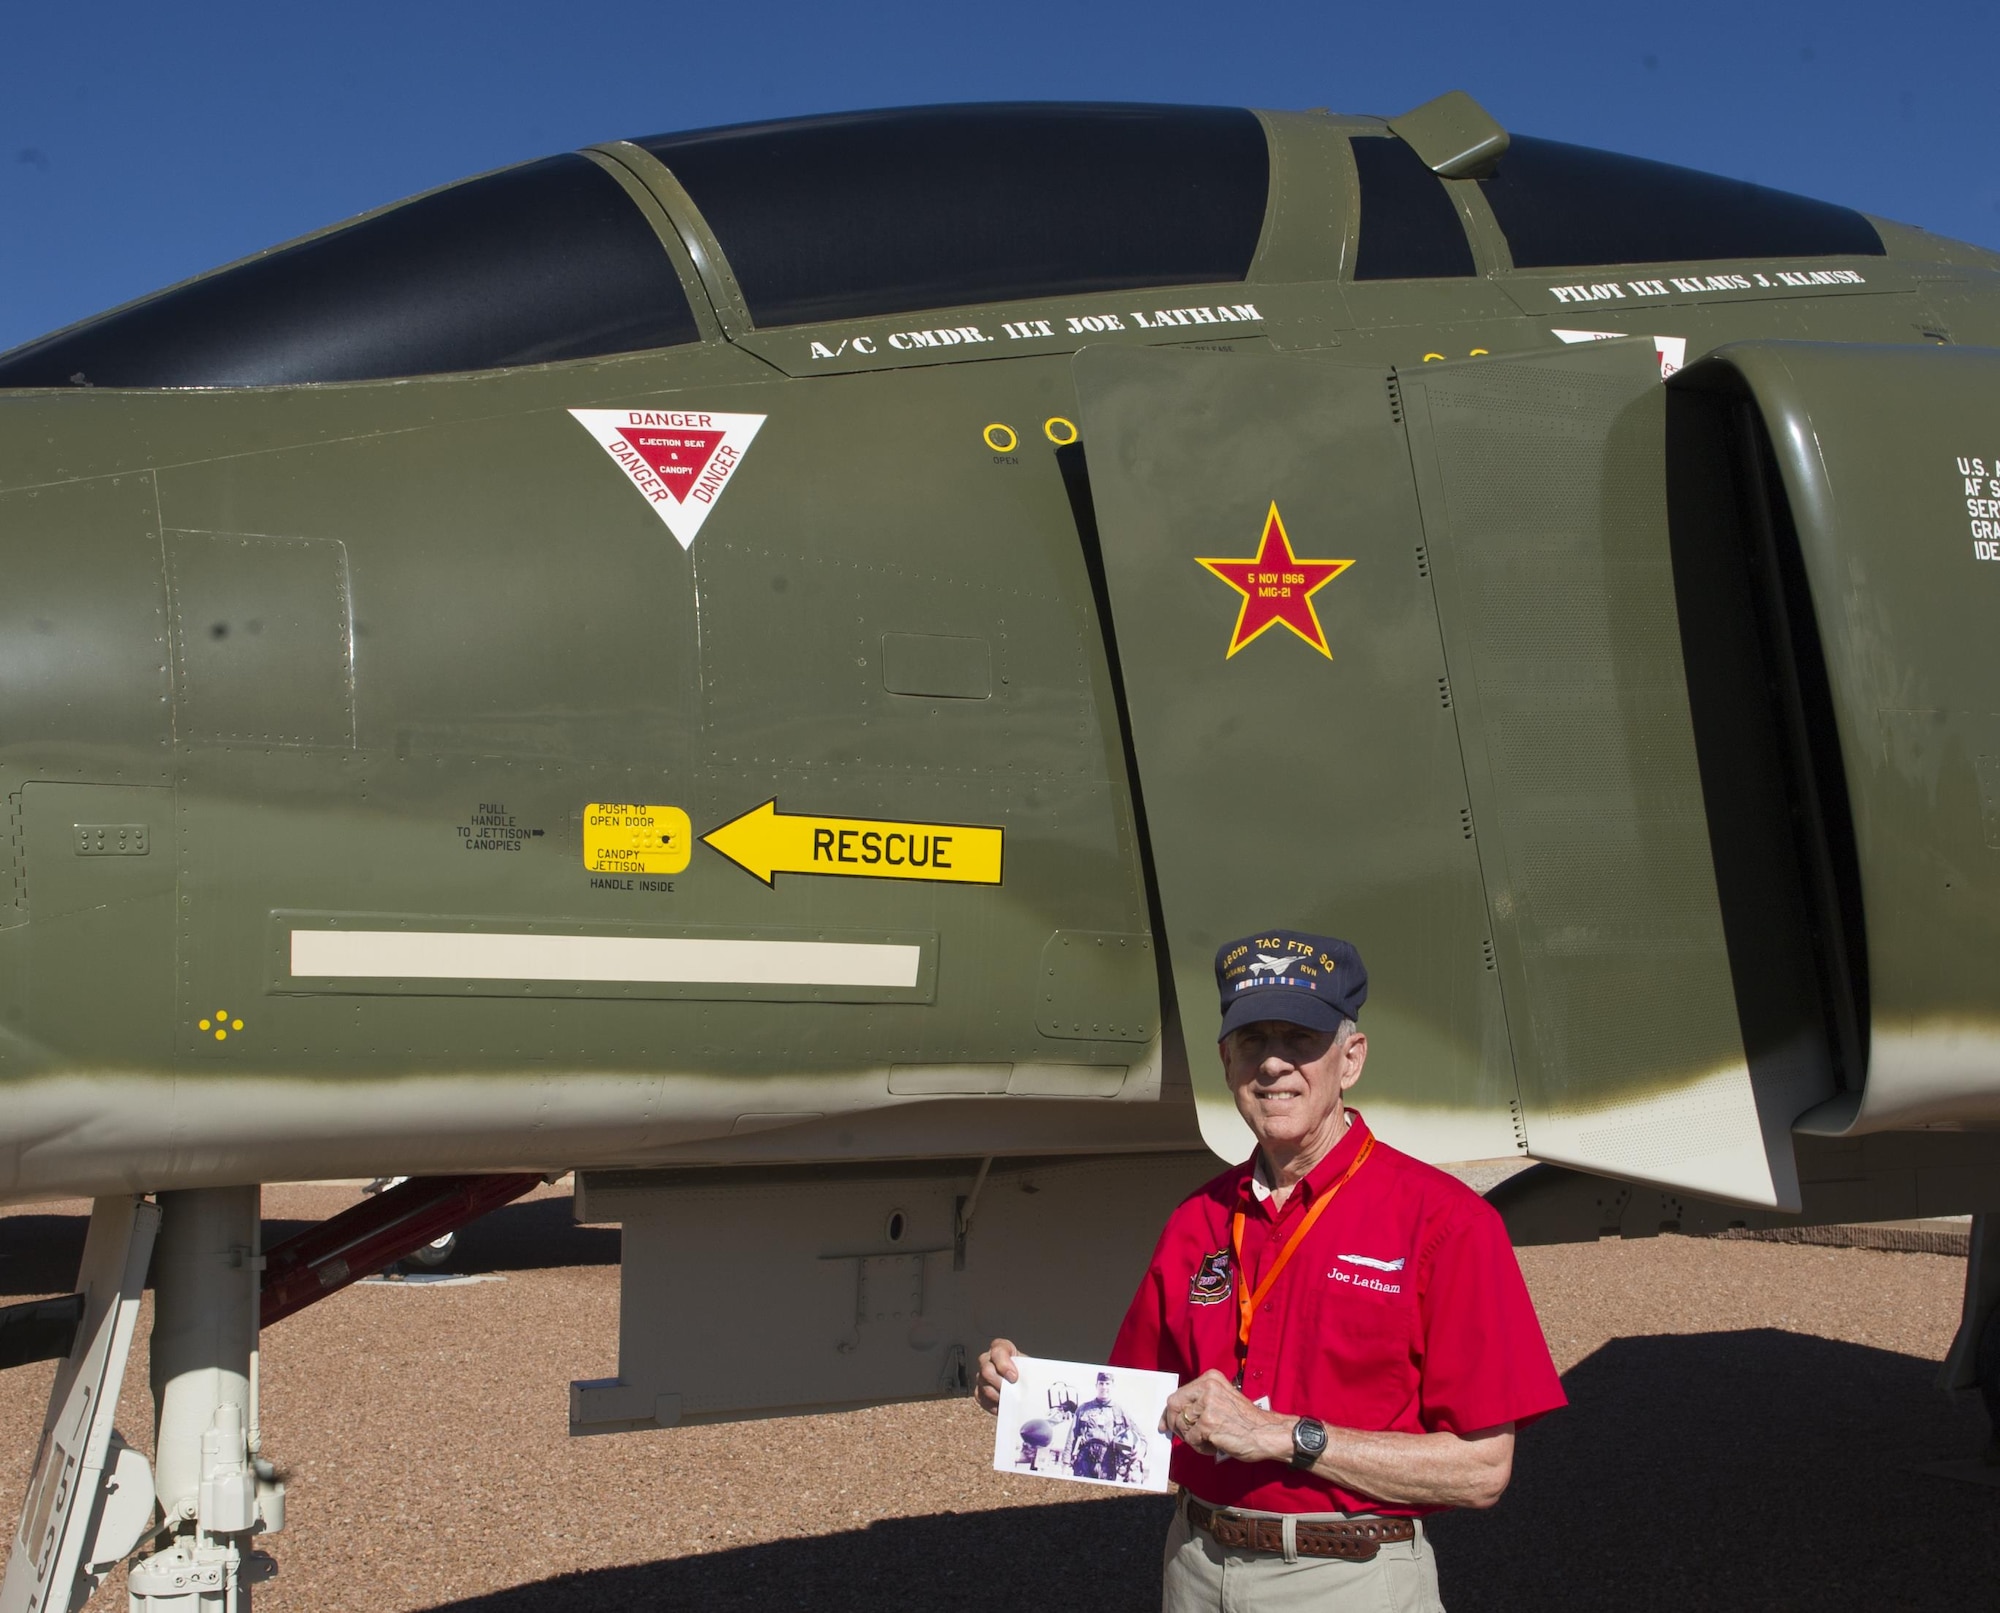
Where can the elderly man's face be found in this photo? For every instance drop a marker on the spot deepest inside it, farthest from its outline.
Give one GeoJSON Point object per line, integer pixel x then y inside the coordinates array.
{"type": "Point", "coordinates": [1288, 1080]}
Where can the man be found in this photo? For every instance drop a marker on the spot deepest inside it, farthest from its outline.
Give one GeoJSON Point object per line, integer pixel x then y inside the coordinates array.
{"type": "Point", "coordinates": [1354, 1342]}
{"type": "Point", "coordinates": [1102, 1440]}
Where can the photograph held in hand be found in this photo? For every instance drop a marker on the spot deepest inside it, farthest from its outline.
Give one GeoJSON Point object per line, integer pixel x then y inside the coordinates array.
{"type": "Point", "coordinates": [1352, 1341]}
{"type": "Point", "coordinates": [1086, 1423]}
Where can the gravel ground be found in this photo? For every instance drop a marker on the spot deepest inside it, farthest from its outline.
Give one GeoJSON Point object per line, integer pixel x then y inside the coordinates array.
{"type": "Point", "coordinates": [1745, 1426]}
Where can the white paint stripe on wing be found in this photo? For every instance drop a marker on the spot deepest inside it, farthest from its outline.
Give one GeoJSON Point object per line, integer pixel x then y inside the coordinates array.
{"type": "Point", "coordinates": [449, 955]}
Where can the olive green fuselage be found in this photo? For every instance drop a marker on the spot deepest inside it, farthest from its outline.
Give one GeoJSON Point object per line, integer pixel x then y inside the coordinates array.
{"type": "Point", "coordinates": [363, 657]}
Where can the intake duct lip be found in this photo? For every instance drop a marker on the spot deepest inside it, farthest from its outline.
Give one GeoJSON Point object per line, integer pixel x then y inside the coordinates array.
{"type": "Point", "coordinates": [1773, 776]}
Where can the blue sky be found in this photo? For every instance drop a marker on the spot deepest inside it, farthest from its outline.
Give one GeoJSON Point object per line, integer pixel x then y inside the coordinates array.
{"type": "Point", "coordinates": [141, 144]}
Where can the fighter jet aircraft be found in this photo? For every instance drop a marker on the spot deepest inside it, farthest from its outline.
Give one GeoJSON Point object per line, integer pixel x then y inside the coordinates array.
{"type": "Point", "coordinates": [1266, 964]}
{"type": "Point", "coordinates": [760, 665]}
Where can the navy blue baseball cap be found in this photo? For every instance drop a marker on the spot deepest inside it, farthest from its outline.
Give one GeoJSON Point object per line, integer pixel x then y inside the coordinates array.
{"type": "Point", "coordinates": [1311, 980]}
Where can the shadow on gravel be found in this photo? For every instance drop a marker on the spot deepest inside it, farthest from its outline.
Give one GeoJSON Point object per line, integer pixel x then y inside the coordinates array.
{"type": "Point", "coordinates": [1099, 1556]}
{"type": "Point", "coordinates": [39, 1253]}
{"type": "Point", "coordinates": [1712, 1471]}
{"type": "Point", "coordinates": [532, 1236]}
{"type": "Point", "coordinates": [1735, 1470]}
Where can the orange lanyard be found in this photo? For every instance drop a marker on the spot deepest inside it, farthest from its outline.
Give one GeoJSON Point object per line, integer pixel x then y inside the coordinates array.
{"type": "Point", "coordinates": [1246, 1301]}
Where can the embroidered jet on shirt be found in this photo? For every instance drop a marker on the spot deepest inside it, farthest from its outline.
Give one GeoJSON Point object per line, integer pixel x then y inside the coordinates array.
{"type": "Point", "coordinates": [1370, 1260]}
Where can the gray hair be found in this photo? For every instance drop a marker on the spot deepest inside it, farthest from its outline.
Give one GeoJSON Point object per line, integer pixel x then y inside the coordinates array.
{"type": "Point", "coordinates": [1345, 1029]}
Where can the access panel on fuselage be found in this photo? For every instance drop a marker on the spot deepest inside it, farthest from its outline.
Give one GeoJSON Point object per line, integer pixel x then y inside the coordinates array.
{"type": "Point", "coordinates": [882, 629]}
{"type": "Point", "coordinates": [1291, 714]}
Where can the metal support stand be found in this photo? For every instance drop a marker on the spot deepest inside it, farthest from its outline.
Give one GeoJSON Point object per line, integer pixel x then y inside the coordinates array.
{"type": "Point", "coordinates": [90, 1495]}
{"type": "Point", "coordinates": [968, 1205]}
{"type": "Point", "coordinates": [1973, 1361]}
{"type": "Point", "coordinates": [214, 1491]}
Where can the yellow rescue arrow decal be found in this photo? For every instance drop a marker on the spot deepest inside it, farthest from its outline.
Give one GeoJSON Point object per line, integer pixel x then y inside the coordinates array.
{"type": "Point", "coordinates": [768, 842]}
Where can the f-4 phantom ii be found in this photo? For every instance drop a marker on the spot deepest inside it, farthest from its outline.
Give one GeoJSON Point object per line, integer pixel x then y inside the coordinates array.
{"type": "Point", "coordinates": [759, 665]}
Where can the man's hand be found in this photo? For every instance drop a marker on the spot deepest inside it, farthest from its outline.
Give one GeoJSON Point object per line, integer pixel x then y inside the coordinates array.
{"type": "Point", "coordinates": [996, 1365]}
{"type": "Point", "coordinates": [1212, 1416]}
{"type": "Point", "coordinates": [1440, 1469]}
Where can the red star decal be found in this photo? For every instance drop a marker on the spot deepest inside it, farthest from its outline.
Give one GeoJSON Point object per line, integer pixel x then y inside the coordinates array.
{"type": "Point", "coordinates": [1277, 586]}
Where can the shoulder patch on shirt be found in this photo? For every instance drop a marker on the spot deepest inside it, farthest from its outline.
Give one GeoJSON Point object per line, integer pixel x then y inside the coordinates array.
{"type": "Point", "coordinates": [1210, 1284]}
{"type": "Point", "coordinates": [1370, 1260]}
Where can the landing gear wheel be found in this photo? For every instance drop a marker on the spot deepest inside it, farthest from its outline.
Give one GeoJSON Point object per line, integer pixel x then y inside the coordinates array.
{"type": "Point", "coordinates": [436, 1252]}
{"type": "Point", "coordinates": [431, 1255]}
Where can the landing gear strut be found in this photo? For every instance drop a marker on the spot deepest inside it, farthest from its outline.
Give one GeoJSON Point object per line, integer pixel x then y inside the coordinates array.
{"type": "Point", "coordinates": [215, 1492]}
{"type": "Point", "coordinates": [91, 1496]}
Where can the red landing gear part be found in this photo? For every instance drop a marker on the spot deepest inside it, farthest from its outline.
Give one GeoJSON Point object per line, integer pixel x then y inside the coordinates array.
{"type": "Point", "coordinates": [359, 1242]}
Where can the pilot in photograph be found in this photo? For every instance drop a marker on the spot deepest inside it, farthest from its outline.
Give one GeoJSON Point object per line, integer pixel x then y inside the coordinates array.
{"type": "Point", "coordinates": [1354, 1343]}
{"type": "Point", "coordinates": [1103, 1444]}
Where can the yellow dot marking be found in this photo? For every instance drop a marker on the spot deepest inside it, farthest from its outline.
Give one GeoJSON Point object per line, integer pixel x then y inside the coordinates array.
{"type": "Point", "coordinates": [1434, 358]}
{"type": "Point", "coordinates": [1059, 431]}
{"type": "Point", "coordinates": [236, 1024]}
{"type": "Point", "coordinates": [222, 1036]}
{"type": "Point", "coordinates": [994, 435]}
{"type": "Point", "coordinates": [204, 1024]}
{"type": "Point", "coordinates": [222, 1013]}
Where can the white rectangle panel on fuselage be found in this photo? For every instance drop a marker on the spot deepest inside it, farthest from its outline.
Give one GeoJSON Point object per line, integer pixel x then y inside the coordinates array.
{"type": "Point", "coordinates": [451, 955]}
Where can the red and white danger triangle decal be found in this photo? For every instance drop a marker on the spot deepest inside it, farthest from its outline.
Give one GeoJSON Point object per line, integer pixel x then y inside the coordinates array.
{"type": "Point", "coordinates": [680, 459]}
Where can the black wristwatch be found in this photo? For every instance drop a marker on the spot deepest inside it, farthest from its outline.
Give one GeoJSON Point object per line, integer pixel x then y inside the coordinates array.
{"type": "Point", "coordinates": [1308, 1441]}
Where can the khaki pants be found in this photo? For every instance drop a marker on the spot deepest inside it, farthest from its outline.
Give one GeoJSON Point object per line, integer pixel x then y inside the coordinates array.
{"type": "Point", "coordinates": [1202, 1577]}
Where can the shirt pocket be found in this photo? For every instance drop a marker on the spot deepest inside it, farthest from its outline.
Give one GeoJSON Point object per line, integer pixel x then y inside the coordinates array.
{"type": "Point", "coordinates": [1365, 1344]}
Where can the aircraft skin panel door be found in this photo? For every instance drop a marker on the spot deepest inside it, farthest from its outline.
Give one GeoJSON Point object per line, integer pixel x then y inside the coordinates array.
{"type": "Point", "coordinates": [1543, 487]}
{"type": "Point", "coordinates": [1284, 786]}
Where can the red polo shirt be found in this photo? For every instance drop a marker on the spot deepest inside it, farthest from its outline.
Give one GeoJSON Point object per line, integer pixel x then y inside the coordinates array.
{"type": "Point", "coordinates": [1403, 1309]}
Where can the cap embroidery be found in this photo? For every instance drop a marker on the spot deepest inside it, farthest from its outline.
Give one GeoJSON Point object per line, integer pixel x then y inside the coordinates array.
{"type": "Point", "coordinates": [1318, 976]}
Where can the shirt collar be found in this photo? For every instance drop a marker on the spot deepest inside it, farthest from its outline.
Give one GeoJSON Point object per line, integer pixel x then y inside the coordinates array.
{"type": "Point", "coordinates": [1321, 1176]}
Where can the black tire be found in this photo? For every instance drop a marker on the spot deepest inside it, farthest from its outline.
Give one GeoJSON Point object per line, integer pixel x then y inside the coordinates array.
{"type": "Point", "coordinates": [431, 1255]}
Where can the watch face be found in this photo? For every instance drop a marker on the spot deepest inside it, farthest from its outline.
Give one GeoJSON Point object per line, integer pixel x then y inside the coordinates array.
{"type": "Point", "coordinates": [1309, 1437]}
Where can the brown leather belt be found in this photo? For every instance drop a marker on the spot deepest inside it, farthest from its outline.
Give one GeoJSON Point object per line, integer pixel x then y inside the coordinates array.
{"type": "Point", "coordinates": [1356, 1539]}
